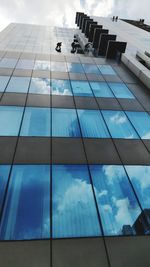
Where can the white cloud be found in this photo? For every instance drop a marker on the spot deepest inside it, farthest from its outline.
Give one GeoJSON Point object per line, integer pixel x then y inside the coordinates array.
{"type": "Point", "coordinates": [118, 119]}
{"type": "Point", "coordinates": [140, 174]}
{"type": "Point", "coordinates": [59, 13]}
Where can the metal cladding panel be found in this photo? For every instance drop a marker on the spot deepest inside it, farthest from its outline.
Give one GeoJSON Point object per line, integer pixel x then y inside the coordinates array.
{"type": "Point", "coordinates": [103, 43]}
{"type": "Point", "coordinates": [87, 27]}
{"type": "Point", "coordinates": [83, 26]}
{"type": "Point", "coordinates": [96, 37]}
{"type": "Point", "coordinates": [115, 49]}
{"type": "Point", "coordinates": [92, 27]}
{"type": "Point", "coordinates": [81, 21]}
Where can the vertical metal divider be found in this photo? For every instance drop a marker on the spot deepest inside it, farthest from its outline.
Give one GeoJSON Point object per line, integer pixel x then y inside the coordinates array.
{"type": "Point", "coordinates": [15, 149]}
{"type": "Point", "coordinates": [90, 177]}
{"type": "Point", "coordinates": [51, 160]}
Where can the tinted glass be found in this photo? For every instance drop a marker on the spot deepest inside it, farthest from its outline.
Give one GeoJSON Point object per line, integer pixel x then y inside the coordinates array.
{"type": "Point", "coordinates": [10, 119]}
{"type": "Point", "coordinates": [25, 64]}
{"type": "Point", "coordinates": [101, 89]}
{"type": "Point", "coordinates": [58, 66]}
{"type": "Point", "coordinates": [75, 67]}
{"type": "Point", "coordinates": [61, 87]}
{"type": "Point", "coordinates": [18, 85]}
{"type": "Point", "coordinates": [74, 211]}
{"type": "Point", "coordinates": [65, 123]}
{"type": "Point", "coordinates": [81, 88]}
{"type": "Point", "coordinates": [141, 122]}
{"type": "Point", "coordinates": [119, 125]}
{"type": "Point", "coordinates": [36, 122]}
{"type": "Point", "coordinates": [117, 204]}
{"type": "Point", "coordinates": [89, 68]}
{"type": "Point", "coordinates": [92, 124]}
{"type": "Point", "coordinates": [8, 62]}
{"type": "Point", "coordinates": [4, 172]}
{"type": "Point", "coordinates": [120, 90]}
{"type": "Point", "coordinates": [42, 65]}
{"type": "Point", "coordinates": [40, 86]}
{"type": "Point", "coordinates": [27, 207]}
{"type": "Point", "coordinates": [3, 82]}
{"type": "Point", "coordinates": [106, 70]}
{"type": "Point", "coordinates": [140, 178]}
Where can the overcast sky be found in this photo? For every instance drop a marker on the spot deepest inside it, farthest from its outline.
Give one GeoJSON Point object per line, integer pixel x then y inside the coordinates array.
{"type": "Point", "coordinates": [62, 12]}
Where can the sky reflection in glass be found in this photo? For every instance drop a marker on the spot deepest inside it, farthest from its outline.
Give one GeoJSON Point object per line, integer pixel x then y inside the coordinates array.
{"type": "Point", "coordinates": [8, 63]}
{"type": "Point", "coordinates": [60, 87]}
{"type": "Point", "coordinates": [75, 67]}
{"type": "Point", "coordinates": [101, 89]}
{"type": "Point", "coordinates": [42, 65]}
{"type": "Point", "coordinates": [119, 125]}
{"type": "Point", "coordinates": [89, 68]}
{"type": "Point", "coordinates": [92, 124]}
{"type": "Point", "coordinates": [81, 88]}
{"type": "Point", "coordinates": [25, 64]}
{"type": "Point", "coordinates": [40, 86]}
{"type": "Point", "coordinates": [74, 211]}
{"type": "Point", "coordinates": [3, 82]}
{"type": "Point", "coordinates": [141, 122]}
{"type": "Point", "coordinates": [140, 178]}
{"type": "Point", "coordinates": [58, 66]}
{"type": "Point", "coordinates": [106, 70]}
{"type": "Point", "coordinates": [10, 119]}
{"type": "Point", "coordinates": [36, 122]}
{"type": "Point", "coordinates": [120, 90]}
{"type": "Point", "coordinates": [65, 123]}
{"type": "Point", "coordinates": [4, 173]}
{"type": "Point", "coordinates": [18, 84]}
{"type": "Point", "coordinates": [27, 207]}
{"type": "Point", "coordinates": [117, 204]}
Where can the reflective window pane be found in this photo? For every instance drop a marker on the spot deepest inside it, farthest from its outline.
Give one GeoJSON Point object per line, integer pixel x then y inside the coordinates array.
{"type": "Point", "coordinates": [58, 66]}
{"type": "Point", "coordinates": [27, 207]}
{"type": "Point", "coordinates": [18, 84]}
{"type": "Point", "coordinates": [81, 88]}
{"type": "Point", "coordinates": [42, 65]}
{"type": "Point", "coordinates": [40, 86]}
{"type": "Point", "coordinates": [141, 122]}
{"type": "Point", "coordinates": [3, 82]}
{"type": "Point", "coordinates": [25, 64]}
{"type": "Point", "coordinates": [140, 178]}
{"type": "Point", "coordinates": [120, 90]}
{"type": "Point", "coordinates": [117, 204]}
{"type": "Point", "coordinates": [8, 63]}
{"type": "Point", "coordinates": [10, 119]}
{"type": "Point", "coordinates": [61, 87]}
{"type": "Point", "coordinates": [75, 67]}
{"type": "Point", "coordinates": [89, 68]}
{"type": "Point", "coordinates": [74, 211]}
{"type": "Point", "coordinates": [4, 173]}
{"type": "Point", "coordinates": [101, 89]}
{"type": "Point", "coordinates": [106, 70]}
{"type": "Point", "coordinates": [65, 123]}
{"type": "Point", "coordinates": [92, 124]}
{"type": "Point", "coordinates": [36, 122]}
{"type": "Point", "coordinates": [119, 125]}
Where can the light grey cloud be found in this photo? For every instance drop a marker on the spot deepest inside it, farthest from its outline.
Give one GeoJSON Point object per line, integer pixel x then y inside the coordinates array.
{"type": "Point", "coordinates": [59, 13]}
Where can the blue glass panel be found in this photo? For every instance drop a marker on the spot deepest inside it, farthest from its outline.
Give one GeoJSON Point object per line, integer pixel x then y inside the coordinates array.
{"type": "Point", "coordinates": [119, 125]}
{"type": "Point", "coordinates": [58, 66]}
{"type": "Point", "coordinates": [101, 89]}
{"type": "Point", "coordinates": [75, 67]}
{"type": "Point", "coordinates": [61, 87]}
{"type": "Point", "coordinates": [117, 204]}
{"type": "Point", "coordinates": [4, 172]}
{"type": "Point", "coordinates": [141, 122]}
{"type": "Point", "coordinates": [27, 207]}
{"type": "Point", "coordinates": [8, 62]}
{"type": "Point", "coordinates": [74, 211]}
{"type": "Point", "coordinates": [92, 124]}
{"type": "Point", "coordinates": [18, 84]}
{"type": "Point", "coordinates": [25, 64]}
{"type": "Point", "coordinates": [120, 90]}
{"type": "Point", "coordinates": [10, 119]}
{"type": "Point", "coordinates": [42, 65]}
{"type": "Point", "coordinates": [106, 70]}
{"type": "Point", "coordinates": [40, 86]}
{"type": "Point", "coordinates": [65, 123]}
{"type": "Point", "coordinates": [81, 88]}
{"type": "Point", "coordinates": [140, 178]}
{"type": "Point", "coordinates": [3, 82]}
{"type": "Point", "coordinates": [89, 68]}
{"type": "Point", "coordinates": [36, 122]}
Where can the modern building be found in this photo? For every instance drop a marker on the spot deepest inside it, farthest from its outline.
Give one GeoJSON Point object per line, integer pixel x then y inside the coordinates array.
{"type": "Point", "coordinates": [74, 146]}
